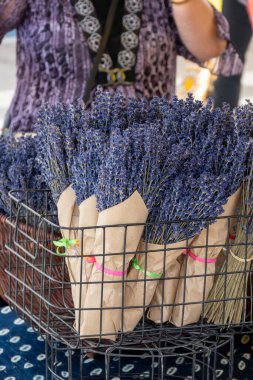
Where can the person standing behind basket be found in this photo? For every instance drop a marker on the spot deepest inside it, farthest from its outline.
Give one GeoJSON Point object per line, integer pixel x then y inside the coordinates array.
{"type": "Point", "coordinates": [58, 40]}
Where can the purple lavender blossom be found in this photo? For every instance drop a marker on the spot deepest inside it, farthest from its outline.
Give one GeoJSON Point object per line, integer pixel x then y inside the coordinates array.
{"type": "Point", "coordinates": [92, 145]}
{"type": "Point", "coordinates": [107, 114]}
{"type": "Point", "coordinates": [6, 154]}
{"type": "Point", "coordinates": [212, 169]}
{"type": "Point", "coordinates": [19, 170]}
{"type": "Point", "coordinates": [56, 132]}
{"type": "Point", "coordinates": [113, 186]}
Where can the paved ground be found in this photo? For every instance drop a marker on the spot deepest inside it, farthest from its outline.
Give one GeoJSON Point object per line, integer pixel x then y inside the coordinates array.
{"type": "Point", "coordinates": [7, 75]}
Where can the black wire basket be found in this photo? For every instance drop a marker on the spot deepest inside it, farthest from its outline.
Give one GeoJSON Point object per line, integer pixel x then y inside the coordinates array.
{"type": "Point", "coordinates": [43, 291]}
{"type": "Point", "coordinates": [178, 358]}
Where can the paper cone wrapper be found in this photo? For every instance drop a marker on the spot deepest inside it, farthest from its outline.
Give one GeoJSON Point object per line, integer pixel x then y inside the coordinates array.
{"type": "Point", "coordinates": [68, 216]}
{"type": "Point", "coordinates": [166, 290]}
{"type": "Point", "coordinates": [193, 291]}
{"type": "Point", "coordinates": [65, 208]}
{"type": "Point", "coordinates": [141, 287]}
{"type": "Point", "coordinates": [114, 248]}
{"type": "Point", "coordinates": [88, 217]}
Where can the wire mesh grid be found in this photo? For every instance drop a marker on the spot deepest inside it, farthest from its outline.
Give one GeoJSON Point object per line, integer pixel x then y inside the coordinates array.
{"type": "Point", "coordinates": [198, 359]}
{"type": "Point", "coordinates": [101, 307]}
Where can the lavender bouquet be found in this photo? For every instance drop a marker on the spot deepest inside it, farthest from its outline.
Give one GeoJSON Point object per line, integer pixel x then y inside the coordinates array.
{"type": "Point", "coordinates": [231, 282]}
{"type": "Point", "coordinates": [118, 205]}
{"type": "Point", "coordinates": [233, 287]}
{"type": "Point", "coordinates": [229, 164]}
{"type": "Point", "coordinates": [86, 162]}
{"type": "Point", "coordinates": [57, 127]}
{"type": "Point", "coordinates": [197, 189]}
{"type": "Point", "coordinates": [107, 113]}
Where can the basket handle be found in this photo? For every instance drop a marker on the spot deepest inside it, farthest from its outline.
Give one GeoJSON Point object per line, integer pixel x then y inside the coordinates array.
{"type": "Point", "coordinates": [15, 235]}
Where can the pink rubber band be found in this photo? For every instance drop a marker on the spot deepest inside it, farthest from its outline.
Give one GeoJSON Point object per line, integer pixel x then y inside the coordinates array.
{"type": "Point", "coordinates": [90, 260]}
{"type": "Point", "coordinates": [199, 259]}
{"type": "Point", "coordinates": [109, 271]}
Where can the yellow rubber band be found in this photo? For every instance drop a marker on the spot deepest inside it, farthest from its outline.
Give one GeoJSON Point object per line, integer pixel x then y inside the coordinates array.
{"type": "Point", "coordinates": [241, 260]}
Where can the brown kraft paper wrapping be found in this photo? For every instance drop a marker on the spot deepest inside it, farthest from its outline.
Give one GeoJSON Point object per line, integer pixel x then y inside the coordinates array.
{"type": "Point", "coordinates": [166, 290]}
{"type": "Point", "coordinates": [154, 258]}
{"type": "Point", "coordinates": [196, 289]}
{"type": "Point", "coordinates": [88, 217]}
{"type": "Point", "coordinates": [65, 208]}
{"type": "Point", "coordinates": [85, 215]}
{"type": "Point", "coordinates": [68, 216]}
{"type": "Point", "coordinates": [109, 241]}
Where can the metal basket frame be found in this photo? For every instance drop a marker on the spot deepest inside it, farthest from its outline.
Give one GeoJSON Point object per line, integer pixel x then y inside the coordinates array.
{"type": "Point", "coordinates": [203, 353]}
{"type": "Point", "coordinates": [35, 252]}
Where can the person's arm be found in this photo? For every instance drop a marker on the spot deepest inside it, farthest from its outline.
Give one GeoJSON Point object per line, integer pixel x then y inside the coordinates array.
{"type": "Point", "coordinates": [250, 11]}
{"type": "Point", "coordinates": [197, 28]}
{"type": "Point", "coordinates": [11, 14]}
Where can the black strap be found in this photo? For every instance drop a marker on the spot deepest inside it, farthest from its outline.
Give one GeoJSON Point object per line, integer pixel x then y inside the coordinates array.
{"type": "Point", "coordinates": [101, 50]}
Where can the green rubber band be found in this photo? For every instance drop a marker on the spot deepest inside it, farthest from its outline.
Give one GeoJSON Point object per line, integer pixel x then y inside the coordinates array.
{"type": "Point", "coordinates": [60, 253]}
{"type": "Point", "coordinates": [136, 266]}
{"type": "Point", "coordinates": [66, 243]}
